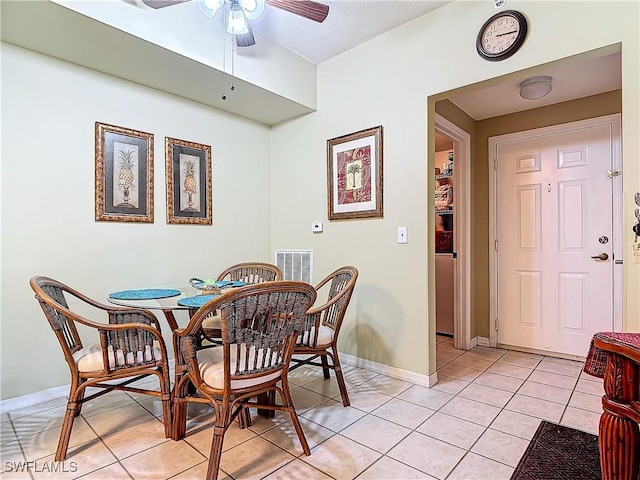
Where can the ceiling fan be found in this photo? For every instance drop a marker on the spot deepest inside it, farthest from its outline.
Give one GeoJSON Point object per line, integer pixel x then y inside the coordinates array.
{"type": "Point", "coordinates": [239, 11]}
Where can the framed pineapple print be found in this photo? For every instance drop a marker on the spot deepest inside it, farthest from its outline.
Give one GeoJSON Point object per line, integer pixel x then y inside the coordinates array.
{"type": "Point", "coordinates": [189, 196]}
{"type": "Point", "coordinates": [123, 174]}
{"type": "Point", "coordinates": [354, 175]}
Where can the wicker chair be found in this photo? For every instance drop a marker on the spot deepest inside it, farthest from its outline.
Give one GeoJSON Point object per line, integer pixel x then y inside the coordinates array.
{"type": "Point", "coordinates": [130, 348]}
{"type": "Point", "coordinates": [319, 336]}
{"type": "Point", "coordinates": [260, 324]}
{"type": "Point", "coordinates": [250, 273]}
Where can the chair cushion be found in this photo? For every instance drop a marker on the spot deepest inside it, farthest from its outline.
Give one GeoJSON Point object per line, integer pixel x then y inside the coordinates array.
{"type": "Point", "coordinates": [89, 358]}
{"type": "Point", "coordinates": [325, 336]}
{"type": "Point", "coordinates": [212, 322]}
{"type": "Point", "coordinates": [210, 361]}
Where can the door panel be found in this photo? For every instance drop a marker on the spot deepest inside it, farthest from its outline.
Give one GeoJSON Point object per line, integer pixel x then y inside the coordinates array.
{"type": "Point", "coordinates": [554, 201]}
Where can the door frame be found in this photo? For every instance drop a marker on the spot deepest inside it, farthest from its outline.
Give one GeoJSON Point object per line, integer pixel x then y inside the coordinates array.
{"type": "Point", "coordinates": [615, 124]}
{"type": "Point", "coordinates": [461, 230]}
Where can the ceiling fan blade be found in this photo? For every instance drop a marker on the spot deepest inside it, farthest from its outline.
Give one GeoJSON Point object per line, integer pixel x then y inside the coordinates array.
{"type": "Point", "coordinates": [305, 8]}
{"type": "Point", "coordinates": [162, 3]}
{"type": "Point", "coordinates": [247, 39]}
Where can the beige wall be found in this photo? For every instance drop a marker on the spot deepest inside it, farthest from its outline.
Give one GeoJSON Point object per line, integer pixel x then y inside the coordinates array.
{"type": "Point", "coordinates": [387, 81]}
{"type": "Point", "coordinates": [269, 186]}
{"type": "Point", "coordinates": [48, 112]}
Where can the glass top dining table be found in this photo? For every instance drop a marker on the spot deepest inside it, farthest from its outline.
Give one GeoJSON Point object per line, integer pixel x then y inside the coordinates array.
{"type": "Point", "coordinates": [168, 305]}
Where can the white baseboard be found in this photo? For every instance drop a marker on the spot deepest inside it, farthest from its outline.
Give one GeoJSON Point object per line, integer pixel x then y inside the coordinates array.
{"type": "Point", "coordinates": [30, 399]}
{"type": "Point", "coordinates": [482, 341]}
{"type": "Point", "coordinates": [417, 378]}
{"type": "Point", "coordinates": [41, 396]}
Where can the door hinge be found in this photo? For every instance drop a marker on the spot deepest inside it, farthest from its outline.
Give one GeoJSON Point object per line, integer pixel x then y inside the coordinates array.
{"type": "Point", "coordinates": [495, 164]}
{"type": "Point", "coordinates": [496, 324]}
{"type": "Point", "coordinates": [613, 173]}
{"type": "Point", "coordinates": [496, 245]}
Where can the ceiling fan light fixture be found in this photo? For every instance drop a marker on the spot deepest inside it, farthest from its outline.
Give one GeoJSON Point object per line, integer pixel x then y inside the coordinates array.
{"type": "Point", "coordinates": [536, 87]}
{"type": "Point", "coordinates": [237, 23]}
{"type": "Point", "coordinates": [210, 7]}
{"type": "Point", "coordinates": [253, 9]}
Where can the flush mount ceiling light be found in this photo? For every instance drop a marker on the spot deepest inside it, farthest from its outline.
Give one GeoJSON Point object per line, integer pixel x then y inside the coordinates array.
{"type": "Point", "coordinates": [535, 87]}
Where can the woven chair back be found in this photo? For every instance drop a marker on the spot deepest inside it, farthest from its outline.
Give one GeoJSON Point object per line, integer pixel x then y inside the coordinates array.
{"type": "Point", "coordinates": [259, 326]}
{"type": "Point", "coordinates": [50, 296]}
{"type": "Point", "coordinates": [251, 273]}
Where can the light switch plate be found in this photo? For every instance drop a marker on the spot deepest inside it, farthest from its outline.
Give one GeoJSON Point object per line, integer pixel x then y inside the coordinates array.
{"type": "Point", "coordinates": [402, 235]}
{"type": "Point", "coordinates": [316, 227]}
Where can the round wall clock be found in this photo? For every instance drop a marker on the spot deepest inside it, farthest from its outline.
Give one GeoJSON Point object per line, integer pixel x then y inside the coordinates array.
{"type": "Point", "coordinates": [502, 35]}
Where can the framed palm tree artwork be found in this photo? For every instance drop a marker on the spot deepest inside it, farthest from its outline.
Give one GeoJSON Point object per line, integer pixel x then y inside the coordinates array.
{"type": "Point", "coordinates": [123, 174]}
{"type": "Point", "coordinates": [354, 180]}
{"type": "Point", "coordinates": [189, 195]}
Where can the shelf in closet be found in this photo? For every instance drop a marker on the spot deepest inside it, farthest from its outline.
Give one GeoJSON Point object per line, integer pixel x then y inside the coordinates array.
{"type": "Point", "coordinates": [445, 212]}
{"type": "Point", "coordinates": [444, 175]}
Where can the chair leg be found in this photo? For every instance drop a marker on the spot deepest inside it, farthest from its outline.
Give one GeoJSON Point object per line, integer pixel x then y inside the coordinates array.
{"type": "Point", "coordinates": [179, 409]}
{"type": "Point", "coordinates": [167, 414]}
{"type": "Point", "coordinates": [288, 400]}
{"type": "Point", "coordinates": [325, 366]}
{"type": "Point", "coordinates": [167, 410]}
{"type": "Point", "coordinates": [244, 418]}
{"type": "Point", "coordinates": [222, 423]}
{"type": "Point", "coordinates": [341, 385]}
{"type": "Point", "coordinates": [65, 434]}
{"type": "Point", "coordinates": [79, 402]}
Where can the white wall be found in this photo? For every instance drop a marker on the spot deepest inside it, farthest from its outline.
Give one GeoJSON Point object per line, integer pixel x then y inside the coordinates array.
{"type": "Point", "coordinates": [49, 108]}
{"type": "Point", "coordinates": [387, 82]}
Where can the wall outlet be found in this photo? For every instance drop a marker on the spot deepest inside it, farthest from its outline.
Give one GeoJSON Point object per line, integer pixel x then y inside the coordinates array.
{"type": "Point", "coordinates": [402, 235]}
{"type": "Point", "coordinates": [316, 227]}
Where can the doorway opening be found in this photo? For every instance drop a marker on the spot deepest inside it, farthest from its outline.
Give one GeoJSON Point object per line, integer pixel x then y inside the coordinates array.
{"type": "Point", "coordinates": [453, 225]}
{"type": "Point", "coordinates": [492, 107]}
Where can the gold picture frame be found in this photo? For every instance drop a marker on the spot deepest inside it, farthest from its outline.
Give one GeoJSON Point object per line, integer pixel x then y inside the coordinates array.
{"type": "Point", "coordinates": [123, 174]}
{"type": "Point", "coordinates": [189, 193]}
{"type": "Point", "coordinates": [354, 175]}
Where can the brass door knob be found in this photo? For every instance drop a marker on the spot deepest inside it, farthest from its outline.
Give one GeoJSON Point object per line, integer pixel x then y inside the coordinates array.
{"type": "Point", "coordinates": [602, 256]}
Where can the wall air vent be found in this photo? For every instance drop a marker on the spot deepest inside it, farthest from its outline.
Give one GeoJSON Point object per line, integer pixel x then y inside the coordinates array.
{"type": "Point", "coordinates": [296, 265]}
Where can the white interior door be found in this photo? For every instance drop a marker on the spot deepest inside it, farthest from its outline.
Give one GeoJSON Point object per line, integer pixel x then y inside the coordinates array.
{"type": "Point", "coordinates": [554, 214]}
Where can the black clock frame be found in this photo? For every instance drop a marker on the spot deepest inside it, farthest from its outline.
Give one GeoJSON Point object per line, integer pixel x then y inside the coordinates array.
{"type": "Point", "coordinates": [522, 34]}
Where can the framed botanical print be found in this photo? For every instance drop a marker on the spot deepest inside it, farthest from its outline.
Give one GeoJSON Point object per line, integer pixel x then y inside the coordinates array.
{"type": "Point", "coordinates": [189, 195]}
{"type": "Point", "coordinates": [123, 174]}
{"type": "Point", "coordinates": [354, 181]}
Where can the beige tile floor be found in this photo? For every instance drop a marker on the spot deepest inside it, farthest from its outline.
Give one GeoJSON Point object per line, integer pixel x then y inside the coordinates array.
{"type": "Point", "coordinates": [474, 424]}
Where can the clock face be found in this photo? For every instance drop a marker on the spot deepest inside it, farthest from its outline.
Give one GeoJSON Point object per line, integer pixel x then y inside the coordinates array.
{"type": "Point", "coordinates": [502, 35]}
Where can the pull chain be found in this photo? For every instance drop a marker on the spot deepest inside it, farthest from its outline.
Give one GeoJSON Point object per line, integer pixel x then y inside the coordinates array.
{"type": "Point", "coordinates": [233, 62]}
{"type": "Point", "coordinates": [224, 58]}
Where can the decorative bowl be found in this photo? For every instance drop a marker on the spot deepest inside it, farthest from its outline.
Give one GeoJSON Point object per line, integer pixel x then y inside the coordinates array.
{"type": "Point", "coordinates": [209, 286]}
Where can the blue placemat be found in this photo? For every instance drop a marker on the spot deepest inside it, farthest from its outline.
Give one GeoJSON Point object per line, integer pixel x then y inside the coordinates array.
{"type": "Point", "coordinates": [237, 283]}
{"type": "Point", "coordinates": [144, 294]}
{"type": "Point", "coordinates": [197, 301]}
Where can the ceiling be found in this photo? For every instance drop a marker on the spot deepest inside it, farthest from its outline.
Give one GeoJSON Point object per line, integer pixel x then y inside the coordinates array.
{"type": "Point", "coordinates": [51, 29]}
{"type": "Point", "coordinates": [349, 23]}
{"type": "Point", "coordinates": [353, 22]}
{"type": "Point", "coordinates": [571, 80]}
